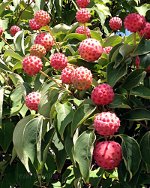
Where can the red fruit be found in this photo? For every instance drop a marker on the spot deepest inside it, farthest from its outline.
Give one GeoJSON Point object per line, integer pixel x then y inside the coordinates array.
{"type": "Point", "coordinates": [134, 22]}
{"type": "Point", "coordinates": [58, 61]}
{"type": "Point", "coordinates": [1, 31]}
{"type": "Point", "coordinates": [90, 49]}
{"type": "Point", "coordinates": [115, 23]}
{"type": "Point", "coordinates": [81, 78]}
{"type": "Point", "coordinates": [82, 3]}
{"type": "Point", "coordinates": [34, 25]}
{"type": "Point", "coordinates": [45, 39]}
{"type": "Point", "coordinates": [37, 50]}
{"type": "Point", "coordinates": [106, 123]}
{"type": "Point", "coordinates": [32, 65]}
{"type": "Point", "coordinates": [42, 17]}
{"type": "Point", "coordinates": [83, 15]}
{"type": "Point", "coordinates": [107, 49]}
{"type": "Point", "coordinates": [66, 74]}
{"type": "Point", "coordinates": [103, 94]}
{"type": "Point", "coordinates": [145, 31]}
{"type": "Point", "coordinates": [32, 100]}
{"type": "Point", "coordinates": [137, 62]}
{"type": "Point", "coordinates": [14, 29]}
{"type": "Point", "coordinates": [108, 154]}
{"type": "Point", "coordinates": [83, 30]}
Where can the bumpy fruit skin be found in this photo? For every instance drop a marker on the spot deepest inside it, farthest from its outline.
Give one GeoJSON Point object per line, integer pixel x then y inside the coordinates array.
{"type": "Point", "coordinates": [32, 65]}
{"type": "Point", "coordinates": [14, 29]}
{"type": "Point", "coordinates": [45, 39]}
{"type": "Point", "coordinates": [42, 17]}
{"type": "Point", "coordinates": [66, 74]}
{"type": "Point", "coordinates": [115, 23]}
{"type": "Point", "coordinates": [134, 22]}
{"type": "Point", "coordinates": [58, 61]}
{"type": "Point", "coordinates": [108, 154]}
{"type": "Point", "coordinates": [83, 30]}
{"type": "Point", "coordinates": [145, 31]}
{"type": "Point", "coordinates": [34, 25]}
{"type": "Point", "coordinates": [106, 123]}
{"type": "Point", "coordinates": [81, 78]}
{"type": "Point", "coordinates": [103, 94]}
{"type": "Point", "coordinates": [37, 50]}
{"type": "Point", "coordinates": [137, 62]}
{"type": "Point", "coordinates": [82, 3]}
{"type": "Point", "coordinates": [1, 31]}
{"type": "Point", "coordinates": [107, 49]}
{"type": "Point", "coordinates": [32, 100]}
{"type": "Point", "coordinates": [83, 15]}
{"type": "Point", "coordinates": [90, 49]}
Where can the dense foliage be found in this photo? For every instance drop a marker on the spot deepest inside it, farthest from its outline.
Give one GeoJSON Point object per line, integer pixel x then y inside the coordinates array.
{"type": "Point", "coordinates": [53, 147]}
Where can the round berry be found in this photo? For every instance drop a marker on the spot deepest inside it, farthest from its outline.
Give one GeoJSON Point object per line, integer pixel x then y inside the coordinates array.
{"type": "Point", "coordinates": [32, 65]}
{"type": "Point", "coordinates": [145, 31]}
{"type": "Point", "coordinates": [45, 39]}
{"type": "Point", "coordinates": [90, 49]}
{"type": "Point", "coordinates": [103, 94]}
{"type": "Point", "coordinates": [37, 50]}
{"type": "Point", "coordinates": [66, 74]}
{"type": "Point", "coordinates": [34, 25]}
{"type": "Point", "coordinates": [82, 3]}
{"type": "Point", "coordinates": [107, 49]}
{"type": "Point", "coordinates": [1, 31]}
{"type": "Point", "coordinates": [42, 17]}
{"type": "Point", "coordinates": [32, 100]}
{"type": "Point", "coordinates": [14, 29]}
{"type": "Point", "coordinates": [83, 15]}
{"type": "Point", "coordinates": [108, 154]}
{"type": "Point", "coordinates": [115, 23]}
{"type": "Point", "coordinates": [134, 22]}
{"type": "Point", "coordinates": [106, 123]}
{"type": "Point", "coordinates": [83, 30]}
{"type": "Point", "coordinates": [81, 78]}
{"type": "Point", "coordinates": [58, 61]}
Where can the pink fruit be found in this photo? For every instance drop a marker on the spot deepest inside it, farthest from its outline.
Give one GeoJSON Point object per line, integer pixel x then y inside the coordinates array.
{"type": "Point", "coordinates": [42, 17]}
{"type": "Point", "coordinates": [103, 94]}
{"type": "Point", "coordinates": [14, 29]}
{"type": "Point", "coordinates": [82, 3]}
{"type": "Point", "coordinates": [137, 62]}
{"type": "Point", "coordinates": [37, 50]}
{"type": "Point", "coordinates": [45, 39]}
{"type": "Point", "coordinates": [66, 74]}
{"type": "Point", "coordinates": [58, 61]}
{"type": "Point", "coordinates": [106, 123]}
{"type": "Point", "coordinates": [34, 25]}
{"type": "Point", "coordinates": [90, 49]}
{"type": "Point", "coordinates": [108, 154]}
{"type": "Point", "coordinates": [145, 31]}
{"type": "Point", "coordinates": [115, 23]}
{"type": "Point", "coordinates": [107, 49]}
{"type": "Point", "coordinates": [32, 65]}
{"type": "Point", "coordinates": [1, 31]}
{"type": "Point", "coordinates": [32, 100]}
{"type": "Point", "coordinates": [83, 30]}
{"type": "Point", "coordinates": [81, 78]}
{"type": "Point", "coordinates": [134, 22]}
{"type": "Point", "coordinates": [83, 15]}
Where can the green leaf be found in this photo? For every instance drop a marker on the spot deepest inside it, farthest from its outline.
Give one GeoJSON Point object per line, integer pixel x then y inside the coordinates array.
{"type": "Point", "coordinates": [10, 53]}
{"type": "Point", "coordinates": [115, 74]}
{"type": "Point", "coordinates": [145, 147]}
{"type": "Point", "coordinates": [83, 150]}
{"type": "Point", "coordinates": [112, 41]}
{"type": "Point", "coordinates": [64, 116]}
{"type": "Point", "coordinates": [19, 41]}
{"type": "Point", "coordinates": [3, 66]}
{"type": "Point", "coordinates": [134, 79]}
{"type": "Point", "coordinates": [1, 104]}
{"type": "Point", "coordinates": [25, 137]}
{"type": "Point", "coordinates": [137, 115]}
{"type": "Point", "coordinates": [80, 37]}
{"type": "Point", "coordinates": [131, 154]}
{"type": "Point", "coordinates": [81, 114]}
{"type": "Point", "coordinates": [141, 91]}
{"type": "Point", "coordinates": [142, 48]}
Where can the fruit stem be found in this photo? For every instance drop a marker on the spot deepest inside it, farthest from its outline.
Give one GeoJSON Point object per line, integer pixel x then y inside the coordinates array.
{"type": "Point", "coordinates": [85, 30]}
{"type": "Point", "coordinates": [57, 45]}
{"type": "Point", "coordinates": [46, 59]}
{"type": "Point", "coordinates": [7, 43]}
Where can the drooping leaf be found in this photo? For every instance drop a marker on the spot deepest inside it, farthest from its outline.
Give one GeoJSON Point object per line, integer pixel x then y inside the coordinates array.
{"type": "Point", "coordinates": [137, 115]}
{"type": "Point", "coordinates": [83, 150]}
{"type": "Point", "coordinates": [141, 91]}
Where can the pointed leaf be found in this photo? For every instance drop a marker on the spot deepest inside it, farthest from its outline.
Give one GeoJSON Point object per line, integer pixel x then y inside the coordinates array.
{"type": "Point", "coordinates": [137, 115]}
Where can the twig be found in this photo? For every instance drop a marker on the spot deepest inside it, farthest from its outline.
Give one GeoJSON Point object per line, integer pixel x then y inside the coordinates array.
{"type": "Point", "coordinates": [7, 43]}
